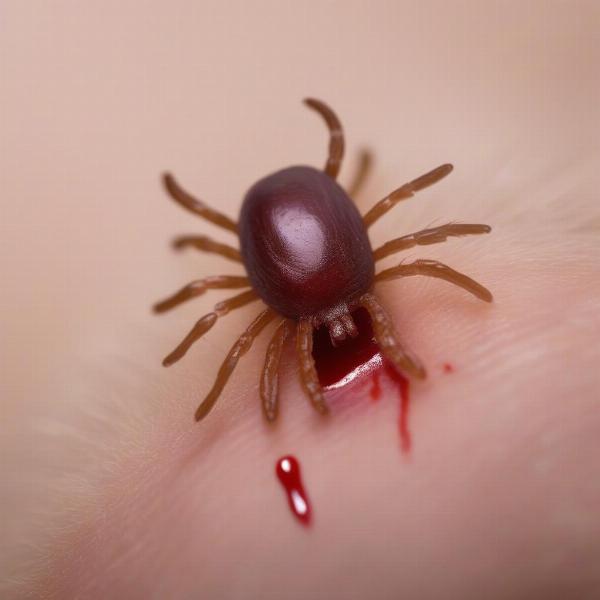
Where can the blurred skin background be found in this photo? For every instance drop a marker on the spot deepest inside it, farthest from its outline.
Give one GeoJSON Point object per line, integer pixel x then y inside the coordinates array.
{"type": "Point", "coordinates": [109, 489]}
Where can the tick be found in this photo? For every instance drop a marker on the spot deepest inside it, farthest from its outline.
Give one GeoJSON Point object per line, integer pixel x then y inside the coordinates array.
{"type": "Point", "coordinates": [307, 256]}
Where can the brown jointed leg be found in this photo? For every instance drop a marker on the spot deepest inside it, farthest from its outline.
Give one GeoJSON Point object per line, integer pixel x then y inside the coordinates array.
{"type": "Point", "coordinates": [364, 166]}
{"type": "Point", "coordinates": [199, 329]}
{"type": "Point", "coordinates": [237, 351]}
{"type": "Point", "coordinates": [198, 287]}
{"type": "Point", "coordinates": [433, 268]}
{"type": "Point", "coordinates": [336, 136]}
{"type": "Point", "coordinates": [406, 191]}
{"type": "Point", "coordinates": [435, 235]}
{"type": "Point", "coordinates": [269, 381]}
{"type": "Point", "coordinates": [196, 206]}
{"type": "Point", "coordinates": [223, 307]}
{"type": "Point", "coordinates": [206, 323]}
{"type": "Point", "coordinates": [205, 244]}
{"type": "Point", "coordinates": [308, 372]}
{"type": "Point", "coordinates": [387, 339]}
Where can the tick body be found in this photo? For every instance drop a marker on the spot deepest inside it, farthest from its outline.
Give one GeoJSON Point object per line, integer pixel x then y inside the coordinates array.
{"type": "Point", "coordinates": [305, 247]}
{"type": "Point", "coordinates": [307, 256]}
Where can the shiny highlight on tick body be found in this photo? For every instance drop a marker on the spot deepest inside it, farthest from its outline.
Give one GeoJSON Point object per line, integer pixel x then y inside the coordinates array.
{"type": "Point", "coordinates": [308, 257]}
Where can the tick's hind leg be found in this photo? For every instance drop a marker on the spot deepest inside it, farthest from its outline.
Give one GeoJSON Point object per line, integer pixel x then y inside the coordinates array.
{"type": "Point", "coordinates": [425, 237]}
{"type": "Point", "coordinates": [237, 351]}
{"type": "Point", "coordinates": [433, 268]}
{"type": "Point", "coordinates": [364, 166]}
{"type": "Point", "coordinates": [406, 191]}
{"type": "Point", "coordinates": [196, 206]}
{"type": "Point", "coordinates": [269, 381]}
{"type": "Point", "coordinates": [206, 323]}
{"type": "Point", "coordinates": [205, 244]}
{"type": "Point", "coordinates": [198, 287]}
{"type": "Point", "coordinates": [388, 341]}
{"type": "Point", "coordinates": [308, 372]}
{"type": "Point", "coordinates": [336, 136]}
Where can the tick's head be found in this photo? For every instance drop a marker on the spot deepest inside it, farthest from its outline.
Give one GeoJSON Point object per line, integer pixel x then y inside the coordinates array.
{"type": "Point", "coordinates": [339, 323]}
{"type": "Point", "coordinates": [341, 328]}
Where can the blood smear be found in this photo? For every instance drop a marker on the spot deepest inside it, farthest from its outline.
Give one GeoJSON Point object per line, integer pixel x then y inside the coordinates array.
{"type": "Point", "coordinates": [403, 387]}
{"type": "Point", "coordinates": [288, 473]}
{"type": "Point", "coordinates": [376, 387]}
{"type": "Point", "coordinates": [357, 358]}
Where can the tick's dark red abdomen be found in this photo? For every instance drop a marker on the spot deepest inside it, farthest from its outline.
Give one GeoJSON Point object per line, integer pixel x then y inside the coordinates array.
{"type": "Point", "coordinates": [304, 244]}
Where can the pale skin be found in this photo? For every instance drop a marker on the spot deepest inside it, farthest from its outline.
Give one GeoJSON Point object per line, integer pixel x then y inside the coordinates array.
{"type": "Point", "coordinates": [506, 431]}
{"type": "Point", "coordinates": [110, 489]}
{"type": "Point", "coordinates": [503, 434]}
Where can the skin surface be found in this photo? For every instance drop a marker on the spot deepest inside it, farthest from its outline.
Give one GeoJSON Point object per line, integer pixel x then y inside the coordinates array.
{"type": "Point", "coordinates": [495, 496]}
{"type": "Point", "coordinates": [110, 490]}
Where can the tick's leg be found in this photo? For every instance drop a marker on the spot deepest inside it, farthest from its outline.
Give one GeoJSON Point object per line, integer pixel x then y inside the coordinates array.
{"type": "Point", "coordinates": [336, 136]}
{"type": "Point", "coordinates": [199, 329]}
{"type": "Point", "coordinates": [196, 206]}
{"type": "Point", "coordinates": [433, 268]}
{"type": "Point", "coordinates": [308, 373]}
{"type": "Point", "coordinates": [197, 288]}
{"type": "Point", "coordinates": [206, 323]}
{"type": "Point", "coordinates": [435, 235]}
{"type": "Point", "coordinates": [238, 350]}
{"type": "Point", "coordinates": [269, 381]}
{"type": "Point", "coordinates": [404, 192]}
{"type": "Point", "coordinates": [205, 244]}
{"type": "Point", "coordinates": [388, 341]}
{"type": "Point", "coordinates": [364, 166]}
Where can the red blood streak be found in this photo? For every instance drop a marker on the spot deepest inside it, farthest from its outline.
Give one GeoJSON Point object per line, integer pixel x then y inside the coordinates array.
{"type": "Point", "coordinates": [448, 368]}
{"type": "Point", "coordinates": [288, 472]}
{"type": "Point", "coordinates": [403, 386]}
{"type": "Point", "coordinates": [342, 364]}
{"type": "Point", "coordinates": [404, 393]}
{"type": "Point", "coordinates": [376, 388]}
